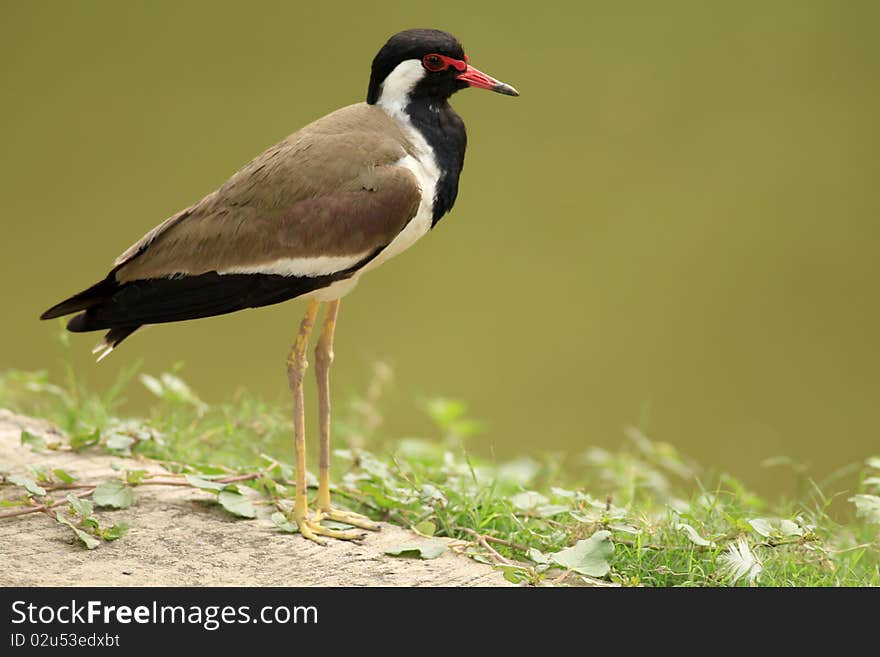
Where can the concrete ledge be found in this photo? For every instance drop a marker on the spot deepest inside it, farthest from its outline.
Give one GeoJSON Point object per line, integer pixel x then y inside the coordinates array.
{"type": "Point", "coordinates": [180, 537]}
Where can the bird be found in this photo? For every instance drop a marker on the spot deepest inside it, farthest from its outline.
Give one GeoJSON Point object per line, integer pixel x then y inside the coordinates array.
{"type": "Point", "coordinates": [305, 219]}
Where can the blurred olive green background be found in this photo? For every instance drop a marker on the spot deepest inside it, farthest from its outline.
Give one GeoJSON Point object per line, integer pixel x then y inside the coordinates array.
{"type": "Point", "coordinates": [675, 225]}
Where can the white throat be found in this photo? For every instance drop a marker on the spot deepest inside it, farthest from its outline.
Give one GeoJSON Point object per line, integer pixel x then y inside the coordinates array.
{"type": "Point", "coordinates": [397, 87]}
{"type": "Point", "coordinates": [393, 99]}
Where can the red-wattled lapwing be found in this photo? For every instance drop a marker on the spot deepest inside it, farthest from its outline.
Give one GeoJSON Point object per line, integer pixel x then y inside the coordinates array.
{"type": "Point", "coordinates": [305, 219]}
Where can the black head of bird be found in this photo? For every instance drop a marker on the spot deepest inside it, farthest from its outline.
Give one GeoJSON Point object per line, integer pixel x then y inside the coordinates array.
{"type": "Point", "coordinates": [426, 65]}
{"type": "Point", "coordinates": [306, 218]}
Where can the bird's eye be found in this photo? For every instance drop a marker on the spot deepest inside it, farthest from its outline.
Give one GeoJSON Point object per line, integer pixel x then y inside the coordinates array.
{"type": "Point", "coordinates": [434, 63]}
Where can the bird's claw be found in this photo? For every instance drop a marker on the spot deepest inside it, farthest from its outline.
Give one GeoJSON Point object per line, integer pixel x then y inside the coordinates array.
{"type": "Point", "coordinates": [349, 518]}
{"type": "Point", "coordinates": [312, 529]}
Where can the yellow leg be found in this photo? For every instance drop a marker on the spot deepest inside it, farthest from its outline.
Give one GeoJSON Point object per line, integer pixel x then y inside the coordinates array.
{"type": "Point", "coordinates": [296, 367]}
{"type": "Point", "coordinates": [323, 360]}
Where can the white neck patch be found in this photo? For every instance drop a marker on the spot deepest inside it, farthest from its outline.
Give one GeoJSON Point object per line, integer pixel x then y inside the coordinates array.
{"type": "Point", "coordinates": [394, 96]}
{"type": "Point", "coordinates": [393, 99]}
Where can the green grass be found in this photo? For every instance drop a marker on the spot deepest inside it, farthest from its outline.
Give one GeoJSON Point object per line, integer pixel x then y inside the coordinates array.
{"type": "Point", "coordinates": [642, 515]}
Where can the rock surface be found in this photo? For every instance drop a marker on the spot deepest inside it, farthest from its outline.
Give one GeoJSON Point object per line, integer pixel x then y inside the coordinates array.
{"type": "Point", "coordinates": [179, 536]}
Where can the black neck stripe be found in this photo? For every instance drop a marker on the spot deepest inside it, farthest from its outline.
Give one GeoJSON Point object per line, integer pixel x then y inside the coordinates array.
{"type": "Point", "coordinates": [444, 131]}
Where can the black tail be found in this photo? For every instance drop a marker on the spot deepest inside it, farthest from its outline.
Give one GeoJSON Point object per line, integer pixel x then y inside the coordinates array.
{"type": "Point", "coordinates": [97, 294]}
{"type": "Point", "coordinates": [125, 307]}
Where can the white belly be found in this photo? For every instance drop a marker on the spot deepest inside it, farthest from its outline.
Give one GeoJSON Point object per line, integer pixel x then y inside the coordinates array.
{"type": "Point", "coordinates": [335, 290]}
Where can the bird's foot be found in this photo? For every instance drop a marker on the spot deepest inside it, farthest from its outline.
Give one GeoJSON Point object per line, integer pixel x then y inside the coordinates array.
{"type": "Point", "coordinates": [349, 518]}
{"type": "Point", "coordinates": [312, 529]}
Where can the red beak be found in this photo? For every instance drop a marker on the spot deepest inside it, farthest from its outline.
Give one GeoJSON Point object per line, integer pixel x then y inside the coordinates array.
{"type": "Point", "coordinates": [476, 78]}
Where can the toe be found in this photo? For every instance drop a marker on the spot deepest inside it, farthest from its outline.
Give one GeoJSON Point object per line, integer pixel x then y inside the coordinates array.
{"type": "Point", "coordinates": [305, 529]}
{"type": "Point", "coordinates": [351, 518]}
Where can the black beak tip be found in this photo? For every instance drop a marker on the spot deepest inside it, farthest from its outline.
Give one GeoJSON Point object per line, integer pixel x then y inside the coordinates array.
{"type": "Point", "coordinates": [505, 89]}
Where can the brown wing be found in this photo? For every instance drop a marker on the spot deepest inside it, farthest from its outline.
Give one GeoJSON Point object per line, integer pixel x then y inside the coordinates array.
{"type": "Point", "coordinates": [331, 189]}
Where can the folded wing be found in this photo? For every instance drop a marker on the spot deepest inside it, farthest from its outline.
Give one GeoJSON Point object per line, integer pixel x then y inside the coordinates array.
{"type": "Point", "coordinates": [306, 213]}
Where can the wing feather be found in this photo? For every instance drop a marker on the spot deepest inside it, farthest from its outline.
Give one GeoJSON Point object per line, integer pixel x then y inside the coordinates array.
{"type": "Point", "coordinates": [317, 193]}
{"type": "Point", "coordinates": [330, 195]}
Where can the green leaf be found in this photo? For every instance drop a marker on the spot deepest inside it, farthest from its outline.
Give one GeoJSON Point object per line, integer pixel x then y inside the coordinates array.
{"type": "Point", "coordinates": [550, 510]}
{"type": "Point", "coordinates": [789, 527]}
{"type": "Point", "coordinates": [211, 471]}
{"type": "Point", "coordinates": [528, 500]}
{"type": "Point", "coordinates": [113, 493]}
{"type": "Point", "coordinates": [63, 475]}
{"type": "Point", "coordinates": [27, 483]}
{"type": "Point", "coordinates": [283, 523]}
{"type": "Point", "coordinates": [36, 442]}
{"type": "Point", "coordinates": [237, 504]}
{"type": "Point", "coordinates": [267, 487]}
{"type": "Point", "coordinates": [335, 524]}
{"type": "Point", "coordinates": [430, 549]}
{"type": "Point", "coordinates": [119, 442]}
{"type": "Point", "coordinates": [82, 508]}
{"type": "Point", "coordinates": [693, 535]}
{"type": "Point", "coordinates": [40, 474]}
{"type": "Point", "coordinates": [775, 527]}
{"type": "Point", "coordinates": [204, 484]}
{"type": "Point", "coordinates": [867, 506]}
{"type": "Point", "coordinates": [538, 557]}
{"type": "Point", "coordinates": [89, 523]}
{"type": "Point", "coordinates": [513, 573]}
{"type": "Point", "coordinates": [762, 526]}
{"type": "Point", "coordinates": [433, 495]}
{"type": "Point", "coordinates": [589, 556]}
{"type": "Point", "coordinates": [135, 477]}
{"type": "Point", "coordinates": [118, 530]}
{"type": "Point", "coordinates": [87, 539]}
{"type": "Point", "coordinates": [425, 528]}
{"type": "Point", "coordinates": [83, 440]}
